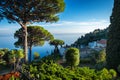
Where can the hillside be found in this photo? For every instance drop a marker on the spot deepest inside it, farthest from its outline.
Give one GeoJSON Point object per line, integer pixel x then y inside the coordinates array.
{"type": "Point", "coordinates": [92, 36]}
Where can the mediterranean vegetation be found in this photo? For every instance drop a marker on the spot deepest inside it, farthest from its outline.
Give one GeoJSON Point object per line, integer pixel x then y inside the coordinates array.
{"type": "Point", "coordinates": [25, 12]}
{"type": "Point", "coordinates": [92, 36]}
{"type": "Point", "coordinates": [36, 36]}
{"type": "Point", "coordinates": [103, 64]}
{"type": "Point", "coordinates": [113, 51]}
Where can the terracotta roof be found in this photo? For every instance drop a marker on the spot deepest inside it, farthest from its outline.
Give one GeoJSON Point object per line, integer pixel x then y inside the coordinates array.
{"type": "Point", "coordinates": [102, 41]}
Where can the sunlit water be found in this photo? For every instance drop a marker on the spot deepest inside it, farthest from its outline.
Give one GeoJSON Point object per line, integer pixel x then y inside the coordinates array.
{"type": "Point", "coordinates": [46, 49]}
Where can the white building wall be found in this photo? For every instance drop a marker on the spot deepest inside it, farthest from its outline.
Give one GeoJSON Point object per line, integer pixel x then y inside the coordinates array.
{"type": "Point", "coordinates": [92, 44]}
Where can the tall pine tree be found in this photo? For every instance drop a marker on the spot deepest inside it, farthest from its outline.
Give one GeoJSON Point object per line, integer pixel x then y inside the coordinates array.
{"type": "Point", "coordinates": [113, 44]}
{"type": "Point", "coordinates": [25, 12]}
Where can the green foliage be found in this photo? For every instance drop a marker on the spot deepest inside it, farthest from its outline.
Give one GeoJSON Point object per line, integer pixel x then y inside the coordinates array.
{"type": "Point", "coordinates": [72, 56]}
{"type": "Point", "coordinates": [11, 56]}
{"type": "Point", "coordinates": [57, 42]}
{"type": "Point", "coordinates": [19, 54]}
{"type": "Point", "coordinates": [113, 73]}
{"type": "Point", "coordinates": [52, 71]}
{"type": "Point", "coordinates": [2, 54]}
{"type": "Point", "coordinates": [92, 36]}
{"type": "Point", "coordinates": [100, 65]}
{"type": "Point", "coordinates": [113, 43]}
{"type": "Point", "coordinates": [104, 74]}
{"type": "Point", "coordinates": [37, 36]}
{"type": "Point", "coordinates": [118, 68]}
{"type": "Point", "coordinates": [102, 56]}
{"type": "Point", "coordinates": [13, 78]}
{"type": "Point", "coordinates": [36, 55]}
{"type": "Point", "coordinates": [99, 59]}
{"type": "Point", "coordinates": [5, 50]}
{"type": "Point", "coordinates": [25, 12]}
{"type": "Point", "coordinates": [98, 56]}
{"type": "Point", "coordinates": [16, 55]}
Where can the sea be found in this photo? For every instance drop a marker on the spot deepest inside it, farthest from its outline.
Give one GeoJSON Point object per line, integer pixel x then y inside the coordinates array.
{"type": "Point", "coordinates": [7, 41]}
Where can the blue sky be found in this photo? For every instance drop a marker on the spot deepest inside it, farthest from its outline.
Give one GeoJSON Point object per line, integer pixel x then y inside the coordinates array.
{"type": "Point", "coordinates": [80, 16]}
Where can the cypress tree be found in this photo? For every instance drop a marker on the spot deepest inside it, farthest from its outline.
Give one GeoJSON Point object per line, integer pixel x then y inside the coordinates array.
{"type": "Point", "coordinates": [113, 44]}
{"type": "Point", "coordinates": [72, 57]}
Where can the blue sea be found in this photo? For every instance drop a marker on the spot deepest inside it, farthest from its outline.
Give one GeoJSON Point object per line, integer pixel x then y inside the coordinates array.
{"type": "Point", "coordinates": [7, 41]}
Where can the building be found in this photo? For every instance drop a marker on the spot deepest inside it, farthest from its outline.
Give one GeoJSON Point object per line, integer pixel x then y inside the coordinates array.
{"type": "Point", "coordinates": [92, 44]}
{"type": "Point", "coordinates": [102, 43]}
{"type": "Point", "coordinates": [98, 44]}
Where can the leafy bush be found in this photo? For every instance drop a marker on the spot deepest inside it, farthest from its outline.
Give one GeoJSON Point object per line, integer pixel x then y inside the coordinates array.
{"type": "Point", "coordinates": [72, 57]}
{"type": "Point", "coordinates": [99, 59]}
{"type": "Point", "coordinates": [98, 56]}
{"type": "Point", "coordinates": [100, 65]}
{"type": "Point", "coordinates": [113, 73]}
{"type": "Point", "coordinates": [51, 71]}
{"type": "Point", "coordinates": [104, 74]}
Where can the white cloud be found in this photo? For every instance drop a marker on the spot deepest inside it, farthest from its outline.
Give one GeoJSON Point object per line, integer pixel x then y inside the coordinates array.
{"type": "Point", "coordinates": [63, 26]}
{"type": "Point", "coordinates": [64, 23]}
{"type": "Point", "coordinates": [8, 30]}
{"type": "Point", "coordinates": [3, 29]}
{"type": "Point", "coordinates": [76, 27]}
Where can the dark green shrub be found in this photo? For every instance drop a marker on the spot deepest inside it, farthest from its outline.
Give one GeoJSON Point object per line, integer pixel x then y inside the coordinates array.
{"type": "Point", "coordinates": [72, 57]}
{"type": "Point", "coordinates": [100, 65]}
{"type": "Point", "coordinates": [118, 68]}
{"type": "Point", "coordinates": [52, 71]}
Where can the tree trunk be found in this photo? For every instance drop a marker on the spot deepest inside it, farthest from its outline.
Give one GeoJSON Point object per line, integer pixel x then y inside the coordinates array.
{"type": "Point", "coordinates": [30, 49]}
{"type": "Point", "coordinates": [25, 45]}
{"type": "Point", "coordinates": [17, 64]}
{"type": "Point", "coordinates": [25, 42]}
{"type": "Point", "coordinates": [56, 49]}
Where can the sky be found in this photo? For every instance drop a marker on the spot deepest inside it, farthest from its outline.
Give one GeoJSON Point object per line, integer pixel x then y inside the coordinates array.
{"type": "Point", "coordinates": [79, 16]}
